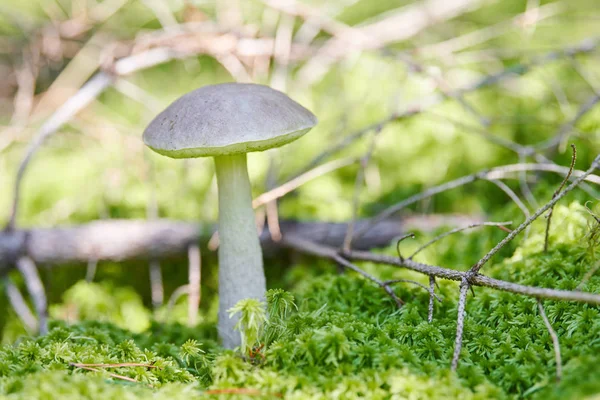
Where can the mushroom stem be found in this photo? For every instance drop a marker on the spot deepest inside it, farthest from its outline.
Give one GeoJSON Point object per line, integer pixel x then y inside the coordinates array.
{"type": "Point", "coordinates": [241, 273]}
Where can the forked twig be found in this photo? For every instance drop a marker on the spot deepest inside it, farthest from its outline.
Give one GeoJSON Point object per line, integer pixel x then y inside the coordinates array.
{"type": "Point", "coordinates": [475, 269]}
{"type": "Point", "coordinates": [309, 247]}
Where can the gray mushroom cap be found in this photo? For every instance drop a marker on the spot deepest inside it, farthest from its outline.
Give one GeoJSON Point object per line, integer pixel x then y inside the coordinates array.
{"type": "Point", "coordinates": [229, 118]}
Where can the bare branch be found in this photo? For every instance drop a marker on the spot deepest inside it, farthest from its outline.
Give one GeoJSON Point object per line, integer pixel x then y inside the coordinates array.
{"type": "Point", "coordinates": [400, 240]}
{"type": "Point", "coordinates": [36, 289]}
{"type": "Point", "coordinates": [431, 298]}
{"type": "Point", "coordinates": [90, 273]}
{"type": "Point", "coordinates": [513, 196]}
{"type": "Point", "coordinates": [157, 292]}
{"type": "Point", "coordinates": [20, 306]}
{"type": "Point", "coordinates": [120, 240]}
{"type": "Point", "coordinates": [456, 230]}
{"type": "Point", "coordinates": [393, 281]}
{"type": "Point", "coordinates": [460, 322]}
{"type": "Point", "coordinates": [71, 107]}
{"type": "Point", "coordinates": [384, 285]}
{"type": "Point", "coordinates": [194, 277]}
{"type": "Point", "coordinates": [475, 269]}
{"type": "Point", "coordinates": [309, 247]}
{"type": "Point", "coordinates": [562, 184]}
{"type": "Point", "coordinates": [300, 180]}
{"type": "Point", "coordinates": [492, 174]}
{"type": "Point", "coordinates": [588, 275]}
{"type": "Point", "coordinates": [555, 341]}
{"type": "Point", "coordinates": [566, 128]}
{"type": "Point", "coordinates": [426, 104]}
{"type": "Point", "coordinates": [358, 184]}
{"type": "Point", "coordinates": [177, 293]}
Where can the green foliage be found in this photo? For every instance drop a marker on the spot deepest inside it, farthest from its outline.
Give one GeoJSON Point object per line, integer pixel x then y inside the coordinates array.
{"type": "Point", "coordinates": [252, 318]}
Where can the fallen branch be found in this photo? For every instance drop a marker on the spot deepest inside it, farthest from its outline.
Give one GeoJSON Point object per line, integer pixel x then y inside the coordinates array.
{"type": "Point", "coordinates": [309, 247]}
{"type": "Point", "coordinates": [120, 240]}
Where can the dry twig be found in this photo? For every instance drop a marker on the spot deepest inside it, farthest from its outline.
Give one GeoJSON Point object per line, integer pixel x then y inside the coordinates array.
{"type": "Point", "coordinates": [562, 184]}
{"type": "Point", "coordinates": [475, 269]}
{"type": "Point", "coordinates": [194, 277]}
{"type": "Point", "coordinates": [555, 341]}
{"type": "Point", "coordinates": [20, 306]}
{"type": "Point", "coordinates": [501, 225]}
{"type": "Point", "coordinates": [35, 287]}
{"type": "Point", "coordinates": [460, 322]}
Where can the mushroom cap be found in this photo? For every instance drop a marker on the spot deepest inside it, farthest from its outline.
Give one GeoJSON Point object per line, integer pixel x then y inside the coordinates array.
{"type": "Point", "coordinates": [229, 118]}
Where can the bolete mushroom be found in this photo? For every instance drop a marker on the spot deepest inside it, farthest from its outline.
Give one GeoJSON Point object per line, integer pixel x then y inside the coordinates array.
{"type": "Point", "coordinates": [226, 121]}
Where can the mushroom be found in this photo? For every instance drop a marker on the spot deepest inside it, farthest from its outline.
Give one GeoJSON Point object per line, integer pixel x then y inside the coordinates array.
{"type": "Point", "coordinates": [226, 121]}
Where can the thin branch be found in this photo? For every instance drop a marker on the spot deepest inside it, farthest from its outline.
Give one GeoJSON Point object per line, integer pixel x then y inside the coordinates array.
{"type": "Point", "coordinates": [271, 208]}
{"type": "Point", "coordinates": [36, 289]}
{"type": "Point", "coordinates": [384, 285]}
{"type": "Point", "coordinates": [525, 189]}
{"type": "Point", "coordinates": [358, 184]}
{"type": "Point", "coordinates": [300, 180]}
{"type": "Point", "coordinates": [562, 185]}
{"type": "Point", "coordinates": [588, 275]}
{"type": "Point", "coordinates": [492, 174]}
{"type": "Point", "coordinates": [555, 341]}
{"type": "Point", "coordinates": [475, 269]}
{"type": "Point", "coordinates": [20, 306]}
{"type": "Point", "coordinates": [567, 127]}
{"type": "Point", "coordinates": [400, 240]}
{"type": "Point", "coordinates": [456, 230]}
{"type": "Point", "coordinates": [426, 104]}
{"type": "Point", "coordinates": [157, 292]}
{"type": "Point", "coordinates": [309, 247]}
{"type": "Point", "coordinates": [112, 375]}
{"type": "Point", "coordinates": [393, 281]}
{"type": "Point", "coordinates": [177, 293]}
{"type": "Point", "coordinates": [64, 113]}
{"type": "Point", "coordinates": [513, 196]}
{"type": "Point", "coordinates": [194, 277]}
{"type": "Point", "coordinates": [115, 365]}
{"type": "Point", "coordinates": [431, 298]}
{"type": "Point", "coordinates": [90, 273]}
{"type": "Point", "coordinates": [460, 322]}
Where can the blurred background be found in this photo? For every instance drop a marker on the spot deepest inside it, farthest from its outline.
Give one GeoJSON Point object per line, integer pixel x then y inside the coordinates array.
{"type": "Point", "coordinates": [449, 86]}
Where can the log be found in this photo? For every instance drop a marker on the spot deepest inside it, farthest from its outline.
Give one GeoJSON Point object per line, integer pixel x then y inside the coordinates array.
{"type": "Point", "coordinates": [121, 240]}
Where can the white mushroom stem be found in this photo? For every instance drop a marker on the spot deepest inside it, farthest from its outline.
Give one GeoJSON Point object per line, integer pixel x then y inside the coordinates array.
{"type": "Point", "coordinates": [241, 273]}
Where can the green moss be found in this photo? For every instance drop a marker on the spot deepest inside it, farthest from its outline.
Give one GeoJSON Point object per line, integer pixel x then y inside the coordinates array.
{"type": "Point", "coordinates": [338, 336]}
